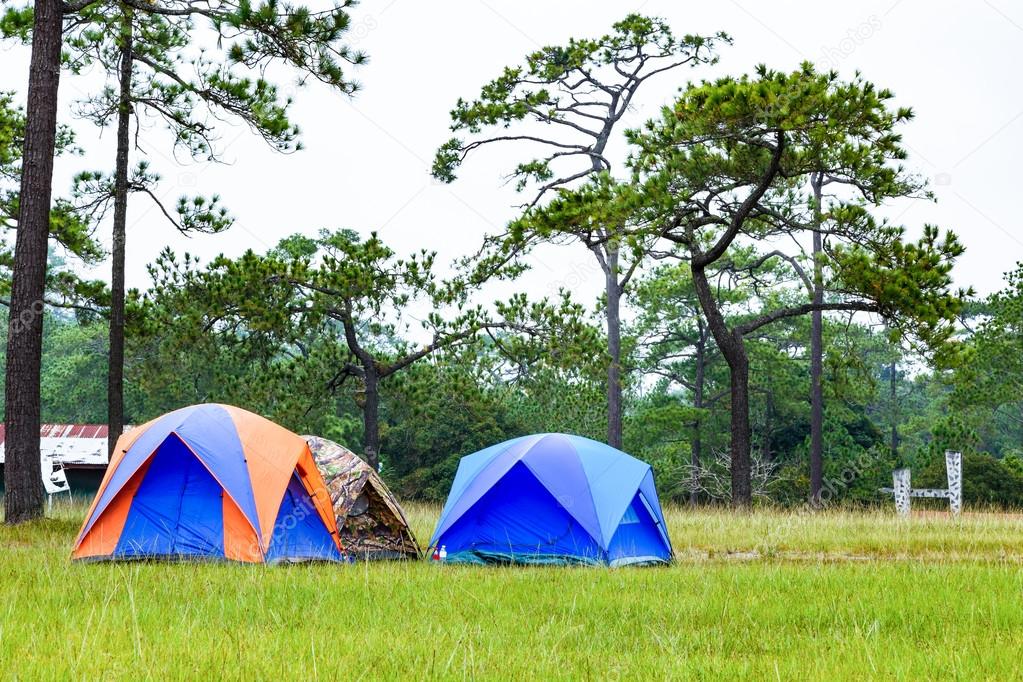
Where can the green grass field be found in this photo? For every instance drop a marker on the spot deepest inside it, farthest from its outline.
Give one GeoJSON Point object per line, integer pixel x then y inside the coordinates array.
{"type": "Point", "coordinates": [766, 595]}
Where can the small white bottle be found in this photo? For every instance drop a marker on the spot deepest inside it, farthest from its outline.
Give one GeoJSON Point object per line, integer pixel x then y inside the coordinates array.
{"type": "Point", "coordinates": [443, 553]}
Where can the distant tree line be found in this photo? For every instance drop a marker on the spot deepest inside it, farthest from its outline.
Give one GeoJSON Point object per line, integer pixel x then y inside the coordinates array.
{"type": "Point", "coordinates": [464, 398]}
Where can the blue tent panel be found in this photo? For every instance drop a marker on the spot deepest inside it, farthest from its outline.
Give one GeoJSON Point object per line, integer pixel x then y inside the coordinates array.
{"type": "Point", "coordinates": [471, 465]}
{"type": "Point", "coordinates": [613, 478]}
{"type": "Point", "coordinates": [482, 479]}
{"type": "Point", "coordinates": [177, 510]}
{"type": "Point", "coordinates": [638, 540]}
{"type": "Point", "coordinates": [519, 520]}
{"type": "Point", "coordinates": [299, 532]}
{"type": "Point", "coordinates": [653, 505]}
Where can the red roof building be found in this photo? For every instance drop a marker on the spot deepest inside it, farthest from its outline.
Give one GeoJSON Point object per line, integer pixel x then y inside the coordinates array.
{"type": "Point", "coordinates": [74, 445]}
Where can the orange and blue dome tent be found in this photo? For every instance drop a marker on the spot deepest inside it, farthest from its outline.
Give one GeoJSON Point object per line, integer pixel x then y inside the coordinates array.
{"type": "Point", "coordinates": [211, 482]}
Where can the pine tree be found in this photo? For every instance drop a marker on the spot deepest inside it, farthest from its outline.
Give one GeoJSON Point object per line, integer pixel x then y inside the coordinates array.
{"type": "Point", "coordinates": [729, 164]}
{"type": "Point", "coordinates": [69, 231]}
{"type": "Point", "coordinates": [567, 101]}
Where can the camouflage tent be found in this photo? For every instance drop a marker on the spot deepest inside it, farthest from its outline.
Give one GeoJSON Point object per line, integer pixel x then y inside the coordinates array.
{"type": "Point", "coordinates": [372, 523]}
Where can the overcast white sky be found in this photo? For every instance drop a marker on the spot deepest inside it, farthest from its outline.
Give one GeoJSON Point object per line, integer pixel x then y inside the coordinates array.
{"type": "Point", "coordinates": [367, 160]}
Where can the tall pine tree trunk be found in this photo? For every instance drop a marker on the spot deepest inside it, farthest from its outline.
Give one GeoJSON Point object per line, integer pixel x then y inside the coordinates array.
{"type": "Point", "coordinates": [696, 446]}
{"type": "Point", "coordinates": [609, 264]}
{"type": "Point", "coordinates": [733, 349]}
{"type": "Point", "coordinates": [614, 347]}
{"type": "Point", "coordinates": [738, 364]}
{"type": "Point", "coordinates": [893, 397]}
{"type": "Point", "coordinates": [115, 371]}
{"type": "Point", "coordinates": [23, 499]}
{"type": "Point", "coordinates": [371, 418]}
{"type": "Point", "coordinates": [817, 357]}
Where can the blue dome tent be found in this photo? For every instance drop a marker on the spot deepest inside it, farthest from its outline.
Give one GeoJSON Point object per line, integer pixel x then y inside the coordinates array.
{"type": "Point", "coordinates": [552, 498]}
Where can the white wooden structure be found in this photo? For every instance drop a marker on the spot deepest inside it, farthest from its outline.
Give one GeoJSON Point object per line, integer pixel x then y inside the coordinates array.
{"type": "Point", "coordinates": [54, 480]}
{"type": "Point", "coordinates": [903, 490]}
